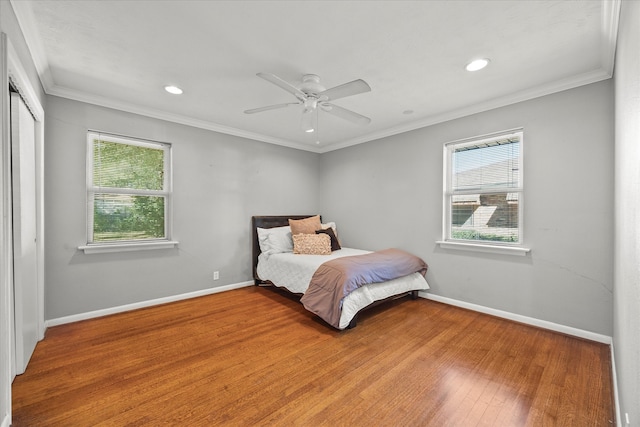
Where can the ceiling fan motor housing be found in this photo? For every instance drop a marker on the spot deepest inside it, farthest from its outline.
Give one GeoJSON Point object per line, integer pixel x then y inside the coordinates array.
{"type": "Point", "coordinates": [311, 84]}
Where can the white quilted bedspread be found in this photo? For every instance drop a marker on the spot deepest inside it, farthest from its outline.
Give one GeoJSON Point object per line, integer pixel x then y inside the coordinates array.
{"type": "Point", "coordinates": [294, 272]}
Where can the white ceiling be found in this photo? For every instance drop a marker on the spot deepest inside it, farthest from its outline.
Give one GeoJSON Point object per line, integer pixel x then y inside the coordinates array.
{"type": "Point", "coordinates": [121, 54]}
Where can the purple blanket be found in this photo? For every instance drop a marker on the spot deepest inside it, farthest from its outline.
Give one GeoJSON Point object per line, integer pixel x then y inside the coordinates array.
{"type": "Point", "coordinates": [337, 278]}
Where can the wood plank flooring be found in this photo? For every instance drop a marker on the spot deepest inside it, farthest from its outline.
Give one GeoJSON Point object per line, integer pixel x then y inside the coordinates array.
{"type": "Point", "coordinates": [254, 356]}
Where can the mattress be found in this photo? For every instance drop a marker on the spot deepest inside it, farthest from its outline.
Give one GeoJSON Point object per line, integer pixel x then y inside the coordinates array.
{"type": "Point", "coordinates": [294, 271]}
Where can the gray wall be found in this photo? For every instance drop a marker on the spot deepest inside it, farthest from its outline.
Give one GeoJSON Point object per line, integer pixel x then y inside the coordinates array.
{"type": "Point", "coordinates": [389, 193]}
{"type": "Point", "coordinates": [626, 308]}
{"type": "Point", "coordinates": [219, 182]}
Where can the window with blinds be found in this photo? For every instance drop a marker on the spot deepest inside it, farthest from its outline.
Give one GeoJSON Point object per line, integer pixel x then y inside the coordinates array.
{"type": "Point", "coordinates": [128, 189]}
{"type": "Point", "coordinates": [483, 189]}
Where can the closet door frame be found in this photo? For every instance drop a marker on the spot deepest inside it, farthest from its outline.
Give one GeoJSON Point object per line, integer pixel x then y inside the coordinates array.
{"type": "Point", "coordinates": [11, 70]}
{"type": "Point", "coordinates": [18, 78]}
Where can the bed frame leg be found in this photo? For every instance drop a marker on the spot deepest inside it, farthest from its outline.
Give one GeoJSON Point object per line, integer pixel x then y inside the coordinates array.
{"type": "Point", "coordinates": [414, 294]}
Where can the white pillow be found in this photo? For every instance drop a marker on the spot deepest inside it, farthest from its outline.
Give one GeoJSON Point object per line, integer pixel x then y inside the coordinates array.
{"type": "Point", "coordinates": [275, 240]}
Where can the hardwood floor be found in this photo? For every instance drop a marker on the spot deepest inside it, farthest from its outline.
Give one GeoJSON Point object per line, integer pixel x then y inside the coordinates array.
{"type": "Point", "coordinates": [253, 356]}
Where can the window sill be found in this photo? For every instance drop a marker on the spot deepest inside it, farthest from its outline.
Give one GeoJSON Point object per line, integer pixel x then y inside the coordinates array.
{"type": "Point", "coordinates": [127, 247]}
{"type": "Point", "coordinates": [477, 247]}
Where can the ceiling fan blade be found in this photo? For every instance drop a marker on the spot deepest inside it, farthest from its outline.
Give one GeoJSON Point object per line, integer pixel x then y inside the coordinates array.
{"type": "Point", "coordinates": [352, 88]}
{"type": "Point", "coordinates": [272, 78]}
{"type": "Point", "coordinates": [343, 113]}
{"type": "Point", "coordinates": [270, 107]}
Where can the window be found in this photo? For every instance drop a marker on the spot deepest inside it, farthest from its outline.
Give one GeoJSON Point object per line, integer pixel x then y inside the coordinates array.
{"type": "Point", "coordinates": [128, 190]}
{"type": "Point", "coordinates": [483, 190]}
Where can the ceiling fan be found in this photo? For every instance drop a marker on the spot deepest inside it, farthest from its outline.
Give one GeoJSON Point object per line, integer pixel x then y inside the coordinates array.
{"type": "Point", "coordinates": [311, 95]}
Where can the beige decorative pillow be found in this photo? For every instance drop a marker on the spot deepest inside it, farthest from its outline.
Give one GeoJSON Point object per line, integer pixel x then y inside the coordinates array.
{"type": "Point", "coordinates": [305, 226]}
{"type": "Point", "coordinates": [312, 244]}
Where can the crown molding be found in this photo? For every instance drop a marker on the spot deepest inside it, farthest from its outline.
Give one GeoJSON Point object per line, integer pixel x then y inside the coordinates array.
{"type": "Point", "coordinates": [525, 95]}
{"type": "Point", "coordinates": [610, 22]}
{"type": "Point", "coordinates": [609, 32]}
{"type": "Point", "coordinates": [26, 21]}
{"type": "Point", "coordinates": [542, 90]}
{"type": "Point", "coordinates": [27, 24]}
{"type": "Point", "coordinates": [101, 101]}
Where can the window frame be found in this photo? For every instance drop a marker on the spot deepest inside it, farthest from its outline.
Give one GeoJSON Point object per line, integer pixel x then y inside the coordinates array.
{"type": "Point", "coordinates": [448, 242]}
{"type": "Point", "coordinates": [167, 192]}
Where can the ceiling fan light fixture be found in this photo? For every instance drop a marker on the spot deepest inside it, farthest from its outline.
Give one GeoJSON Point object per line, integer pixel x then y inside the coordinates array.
{"type": "Point", "coordinates": [309, 121]}
{"type": "Point", "coordinates": [477, 64]}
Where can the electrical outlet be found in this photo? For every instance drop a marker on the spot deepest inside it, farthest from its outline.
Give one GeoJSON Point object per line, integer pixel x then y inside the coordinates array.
{"type": "Point", "coordinates": [216, 275]}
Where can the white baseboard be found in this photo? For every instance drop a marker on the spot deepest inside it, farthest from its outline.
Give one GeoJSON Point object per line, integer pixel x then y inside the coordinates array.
{"type": "Point", "coordinates": [475, 307]}
{"type": "Point", "coordinates": [614, 380]}
{"type": "Point", "coordinates": [143, 304]}
{"type": "Point", "coordinates": [580, 333]}
{"type": "Point", "coordinates": [6, 421]}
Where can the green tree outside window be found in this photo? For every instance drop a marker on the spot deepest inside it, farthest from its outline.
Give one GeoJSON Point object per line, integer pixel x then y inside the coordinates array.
{"type": "Point", "coordinates": [129, 198]}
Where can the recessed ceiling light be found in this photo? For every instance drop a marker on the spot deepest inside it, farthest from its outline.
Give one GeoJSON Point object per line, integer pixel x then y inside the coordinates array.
{"type": "Point", "coordinates": [173, 89]}
{"type": "Point", "coordinates": [477, 64]}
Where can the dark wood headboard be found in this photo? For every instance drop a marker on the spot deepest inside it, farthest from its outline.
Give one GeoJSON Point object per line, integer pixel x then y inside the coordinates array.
{"type": "Point", "coordinates": [267, 222]}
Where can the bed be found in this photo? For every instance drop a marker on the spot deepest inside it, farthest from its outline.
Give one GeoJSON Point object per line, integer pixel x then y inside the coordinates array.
{"type": "Point", "coordinates": [294, 273]}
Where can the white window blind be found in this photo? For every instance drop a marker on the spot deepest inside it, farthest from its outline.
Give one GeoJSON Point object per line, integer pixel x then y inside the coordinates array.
{"type": "Point", "coordinates": [483, 189]}
{"type": "Point", "coordinates": [128, 189]}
